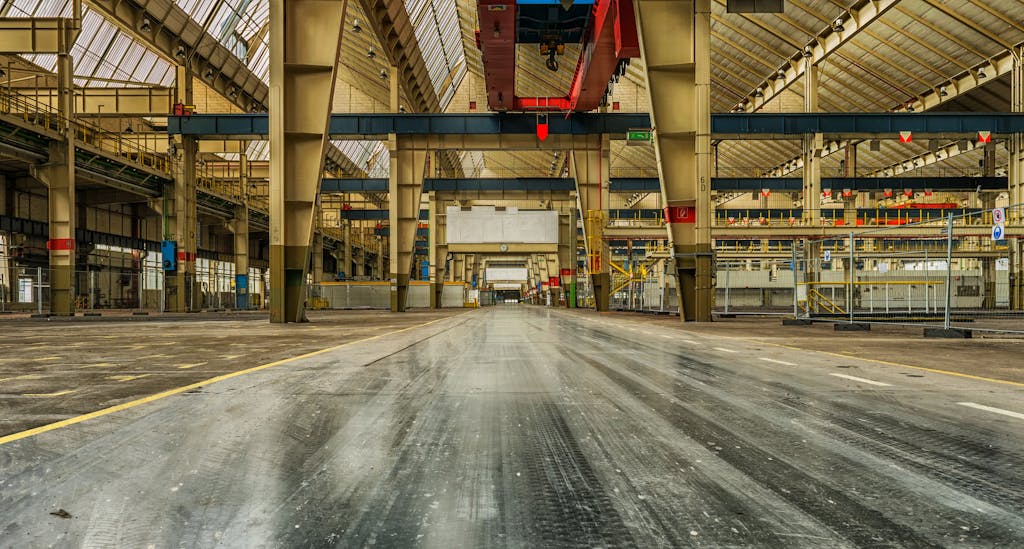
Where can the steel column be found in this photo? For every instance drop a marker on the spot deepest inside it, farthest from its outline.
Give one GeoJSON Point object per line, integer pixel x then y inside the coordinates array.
{"type": "Point", "coordinates": [591, 160]}
{"type": "Point", "coordinates": [406, 187]}
{"type": "Point", "coordinates": [305, 41]}
{"type": "Point", "coordinates": [675, 42]}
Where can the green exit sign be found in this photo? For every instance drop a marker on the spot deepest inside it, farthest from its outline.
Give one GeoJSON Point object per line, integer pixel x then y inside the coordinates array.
{"type": "Point", "coordinates": [638, 136]}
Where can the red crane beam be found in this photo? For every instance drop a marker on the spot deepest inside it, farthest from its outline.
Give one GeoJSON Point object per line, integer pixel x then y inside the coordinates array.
{"type": "Point", "coordinates": [497, 42]}
{"type": "Point", "coordinates": [612, 37]}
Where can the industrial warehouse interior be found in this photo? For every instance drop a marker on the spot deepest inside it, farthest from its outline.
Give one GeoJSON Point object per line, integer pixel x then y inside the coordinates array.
{"type": "Point", "coordinates": [511, 273]}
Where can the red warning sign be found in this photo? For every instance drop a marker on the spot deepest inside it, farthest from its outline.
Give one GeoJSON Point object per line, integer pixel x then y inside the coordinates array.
{"type": "Point", "coordinates": [60, 244]}
{"type": "Point", "coordinates": [680, 214]}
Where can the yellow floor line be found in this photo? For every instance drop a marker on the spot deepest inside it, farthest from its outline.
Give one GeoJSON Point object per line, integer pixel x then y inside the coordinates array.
{"type": "Point", "coordinates": [23, 376]}
{"type": "Point", "coordinates": [897, 364]}
{"type": "Point", "coordinates": [123, 378]}
{"type": "Point", "coordinates": [98, 365]}
{"type": "Point", "coordinates": [178, 390]}
{"type": "Point", "coordinates": [44, 358]}
{"type": "Point", "coordinates": [57, 394]}
{"type": "Point", "coordinates": [189, 366]}
{"type": "Point", "coordinates": [875, 360]}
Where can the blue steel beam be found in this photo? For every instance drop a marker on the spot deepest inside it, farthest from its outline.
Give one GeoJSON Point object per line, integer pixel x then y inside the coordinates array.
{"type": "Point", "coordinates": [723, 126]}
{"type": "Point", "coordinates": [372, 215]}
{"type": "Point", "coordinates": [837, 213]}
{"type": "Point", "coordinates": [648, 184]}
{"type": "Point", "coordinates": [386, 231]}
{"type": "Point", "coordinates": [745, 125]}
{"type": "Point", "coordinates": [378, 126]}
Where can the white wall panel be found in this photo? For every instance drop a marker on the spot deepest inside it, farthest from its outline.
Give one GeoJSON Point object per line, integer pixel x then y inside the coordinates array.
{"type": "Point", "coordinates": [486, 225]}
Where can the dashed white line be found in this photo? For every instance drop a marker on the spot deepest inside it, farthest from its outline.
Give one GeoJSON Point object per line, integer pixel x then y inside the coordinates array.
{"type": "Point", "coordinates": [725, 350]}
{"type": "Point", "coordinates": [862, 380]}
{"type": "Point", "coordinates": [783, 362]}
{"type": "Point", "coordinates": [991, 409]}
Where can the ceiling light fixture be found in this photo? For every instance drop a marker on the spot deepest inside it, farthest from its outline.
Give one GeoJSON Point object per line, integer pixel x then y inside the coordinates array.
{"type": "Point", "coordinates": [356, 28]}
{"type": "Point", "coordinates": [838, 25]}
{"type": "Point", "coordinates": [758, 93]}
{"type": "Point", "coordinates": [383, 74]}
{"type": "Point", "coordinates": [981, 73]}
{"type": "Point", "coordinates": [208, 74]}
{"type": "Point", "coordinates": [145, 25]}
{"type": "Point", "coordinates": [943, 92]}
{"type": "Point", "coordinates": [371, 54]}
{"type": "Point", "coordinates": [179, 52]}
{"type": "Point", "coordinates": [781, 75]}
{"type": "Point", "coordinates": [808, 52]}
{"type": "Point", "coordinates": [233, 92]}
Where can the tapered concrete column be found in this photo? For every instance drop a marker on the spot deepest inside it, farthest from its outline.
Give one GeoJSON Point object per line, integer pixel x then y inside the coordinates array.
{"type": "Point", "coordinates": [305, 40]}
{"type": "Point", "coordinates": [239, 227]}
{"type": "Point", "coordinates": [675, 42]}
{"type": "Point", "coordinates": [405, 186]}
{"type": "Point", "coordinates": [591, 160]}
{"type": "Point", "coordinates": [437, 247]}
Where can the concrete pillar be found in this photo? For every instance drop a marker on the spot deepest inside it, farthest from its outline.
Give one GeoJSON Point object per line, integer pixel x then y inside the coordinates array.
{"type": "Point", "coordinates": [305, 40]}
{"type": "Point", "coordinates": [346, 256]}
{"type": "Point", "coordinates": [566, 255]}
{"type": "Point", "coordinates": [591, 160]}
{"type": "Point", "coordinates": [239, 227]}
{"type": "Point", "coordinates": [469, 264]}
{"type": "Point", "coordinates": [58, 174]}
{"type": "Point", "coordinates": [1015, 212]}
{"type": "Point", "coordinates": [675, 43]}
{"type": "Point", "coordinates": [437, 248]}
{"type": "Point", "coordinates": [810, 152]}
{"type": "Point", "coordinates": [318, 258]}
{"type": "Point", "coordinates": [406, 186]}
{"type": "Point", "coordinates": [178, 210]}
{"type": "Point", "coordinates": [382, 246]}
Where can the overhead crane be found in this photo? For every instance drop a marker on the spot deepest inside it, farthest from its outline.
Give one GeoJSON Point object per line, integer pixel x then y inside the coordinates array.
{"type": "Point", "coordinates": [605, 30]}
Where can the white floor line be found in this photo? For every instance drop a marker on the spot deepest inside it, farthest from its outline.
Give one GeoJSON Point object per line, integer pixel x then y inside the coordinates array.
{"type": "Point", "coordinates": [725, 350]}
{"type": "Point", "coordinates": [783, 362]}
{"type": "Point", "coordinates": [991, 409]}
{"type": "Point", "coordinates": [862, 380]}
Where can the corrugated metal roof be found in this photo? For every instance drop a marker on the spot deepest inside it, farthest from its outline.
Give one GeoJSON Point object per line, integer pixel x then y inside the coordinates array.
{"type": "Point", "coordinates": [104, 55]}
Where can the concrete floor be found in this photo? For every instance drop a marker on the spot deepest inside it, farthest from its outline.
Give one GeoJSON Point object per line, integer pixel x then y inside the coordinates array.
{"type": "Point", "coordinates": [529, 427]}
{"type": "Point", "coordinates": [52, 370]}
